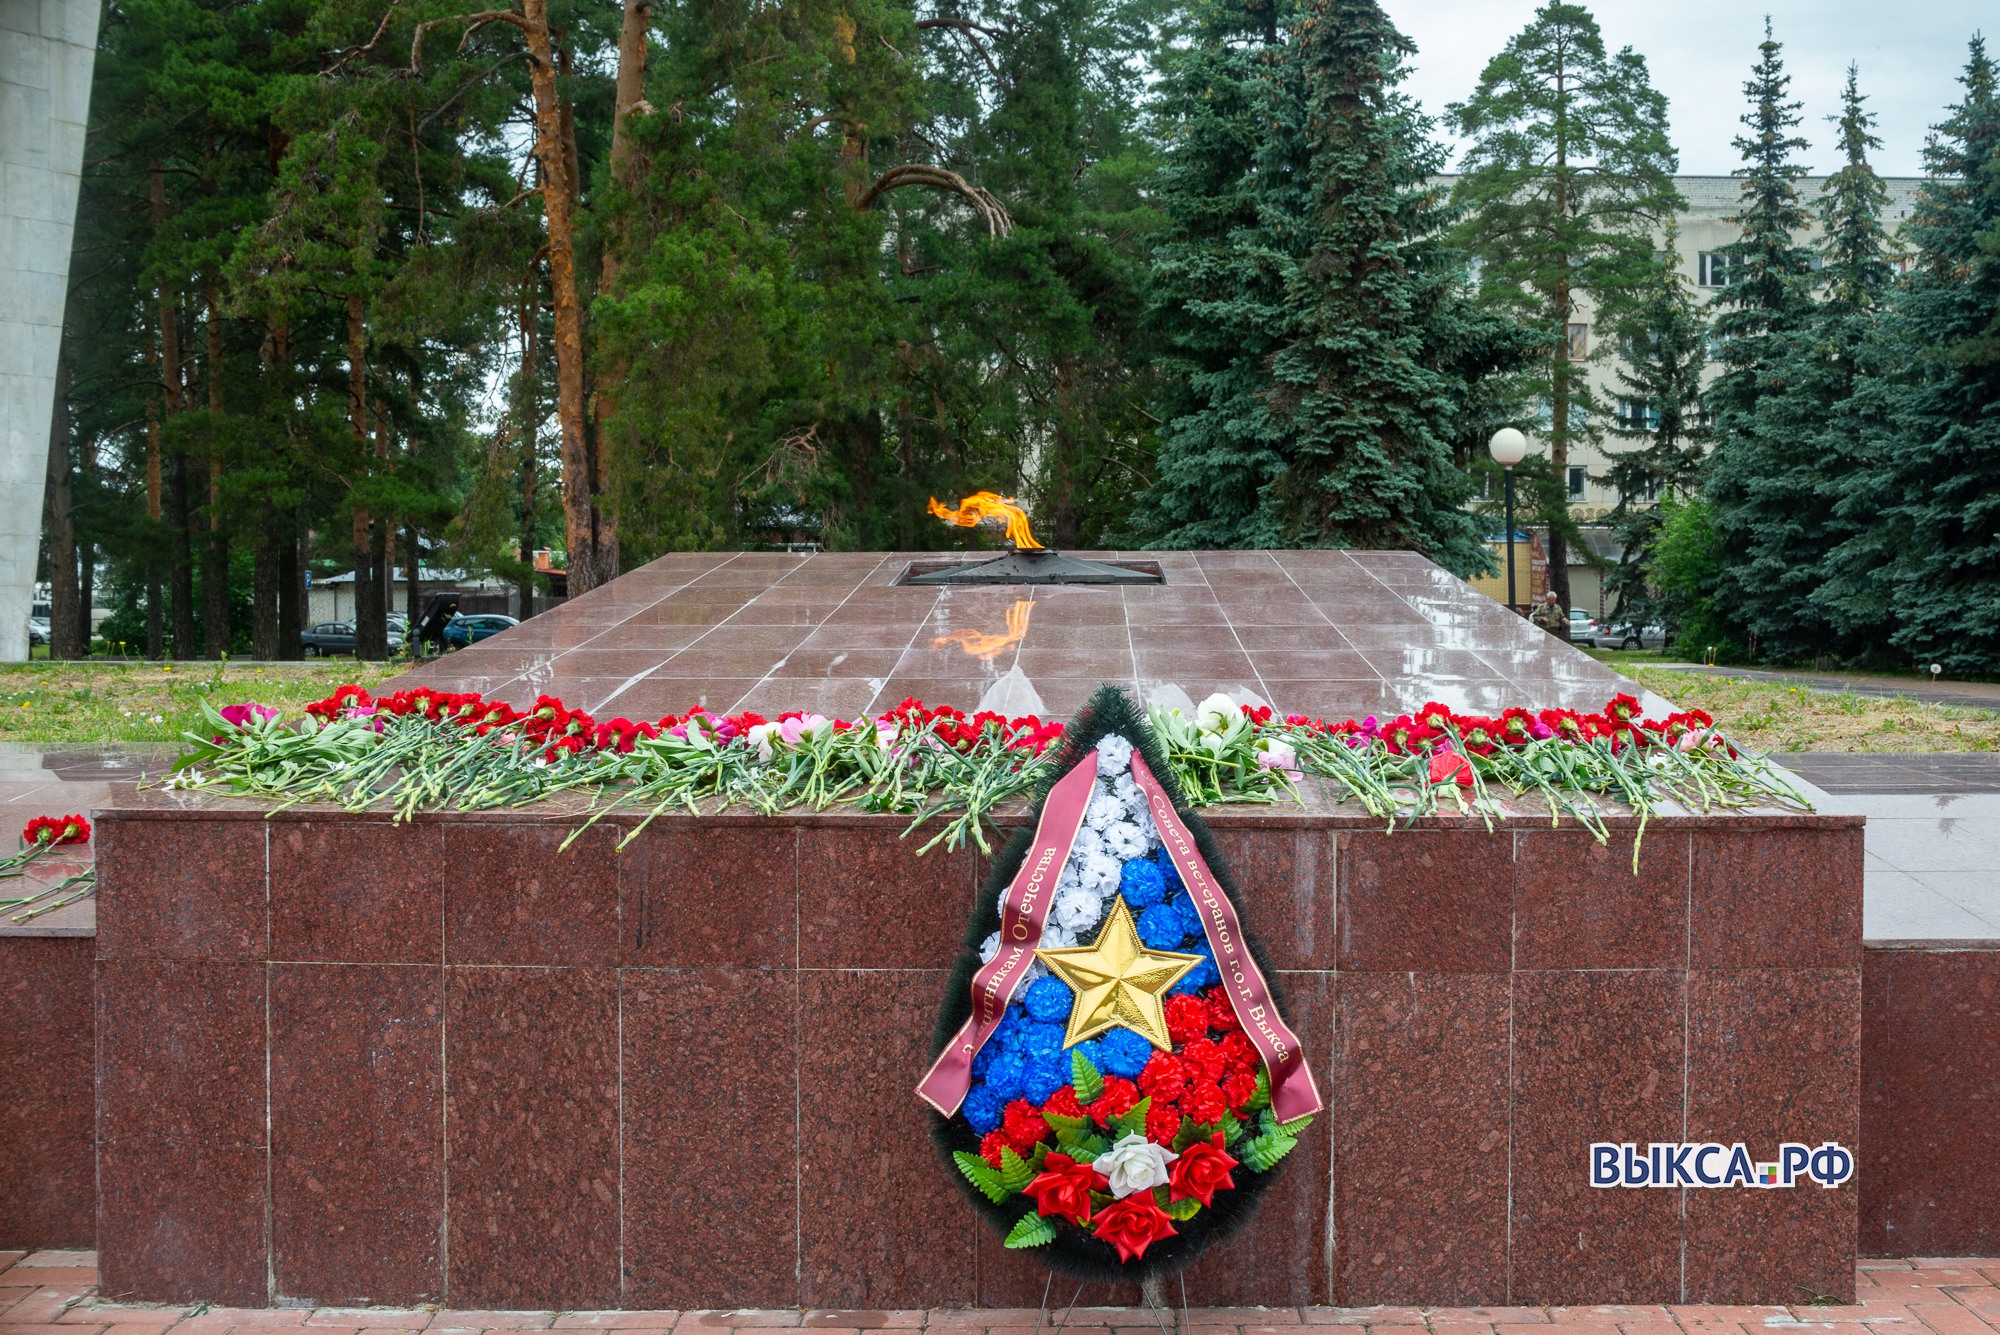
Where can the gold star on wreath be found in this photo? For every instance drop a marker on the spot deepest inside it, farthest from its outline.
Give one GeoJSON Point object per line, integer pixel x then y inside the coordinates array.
{"type": "Point", "coordinates": [1118, 981]}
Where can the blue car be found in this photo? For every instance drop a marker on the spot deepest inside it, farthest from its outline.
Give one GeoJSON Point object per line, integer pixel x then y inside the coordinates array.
{"type": "Point", "coordinates": [463, 630]}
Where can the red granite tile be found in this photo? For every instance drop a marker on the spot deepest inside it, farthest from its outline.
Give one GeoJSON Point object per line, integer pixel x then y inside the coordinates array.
{"type": "Point", "coordinates": [1286, 878]}
{"type": "Point", "coordinates": [693, 894]}
{"type": "Point", "coordinates": [48, 1116]}
{"type": "Point", "coordinates": [1418, 1095]}
{"type": "Point", "coordinates": [181, 1221]}
{"type": "Point", "coordinates": [1773, 1055]}
{"type": "Point", "coordinates": [180, 1052]}
{"type": "Point", "coordinates": [531, 1057]}
{"type": "Point", "coordinates": [1776, 898]}
{"type": "Point", "coordinates": [1598, 1055]}
{"type": "Point", "coordinates": [1426, 900]}
{"type": "Point", "coordinates": [180, 889]}
{"type": "Point", "coordinates": [1578, 905]}
{"type": "Point", "coordinates": [1017, 1280]}
{"type": "Point", "coordinates": [866, 900]}
{"type": "Point", "coordinates": [835, 664]}
{"type": "Point", "coordinates": [1291, 1218]}
{"type": "Point", "coordinates": [357, 891]}
{"type": "Point", "coordinates": [514, 895]}
{"type": "Point", "coordinates": [357, 1133]}
{"type": "Point", "coordinates": [692, 1193]}
{"type": "Point", "coordinates": [864, 1044]}
{"type": "Point", "coordinates": [1930, 1045]}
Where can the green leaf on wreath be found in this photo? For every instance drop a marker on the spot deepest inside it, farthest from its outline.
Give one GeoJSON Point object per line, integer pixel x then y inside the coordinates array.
{"type": "Point", "coordinates": [1182, 1211]}
{"type": "Point", "coordinates": [1295, 1127]}
{"type": "Point", "coordinates": [1192, 1131]}
{"type": "Point", "coordinates": [1031, 1230]}
{"type": "Point", "coordinates": [1015, 1172]}
{"type": "Point", "coordinates": [1062, 1122]}
{"type": "Point", "coordinates": [982, 1175]}
{"type": "Point", "coordinates": [1232, 1128]}
{"type": "Point", "coordinates": [1262, 1154]}
{"type": "Point", "coordinates": [1089, 1084]}
{"type": "Point", "coordinates": [1262, 1098]}
{"type": "Point", "coordinates": [1132, 1122]}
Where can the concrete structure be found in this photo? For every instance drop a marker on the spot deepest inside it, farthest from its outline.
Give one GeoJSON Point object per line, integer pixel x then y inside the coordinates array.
{"type": "Point", "coordinates": [46, 52]}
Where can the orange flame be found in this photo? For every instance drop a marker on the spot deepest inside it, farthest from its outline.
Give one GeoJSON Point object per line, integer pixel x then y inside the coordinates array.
{"type": "Point", "coordinates": [988, 647]}
{"type": "Point", "coordinates": [981, 506]}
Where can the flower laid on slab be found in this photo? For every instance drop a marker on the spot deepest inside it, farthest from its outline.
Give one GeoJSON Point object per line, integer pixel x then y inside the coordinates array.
{"type": "Point", "coordinates": [47, 831]}
{"type": "Point", "coordinates": [1102, 1100]}
{"type": "Point", "coordinates": [41, 837]}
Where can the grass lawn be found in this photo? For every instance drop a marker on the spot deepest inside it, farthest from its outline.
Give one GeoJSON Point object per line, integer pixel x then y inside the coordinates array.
{"type": "Point", "coordinates": [152, 702]}
{"type": "Point", "coordinates": [1772, 717]}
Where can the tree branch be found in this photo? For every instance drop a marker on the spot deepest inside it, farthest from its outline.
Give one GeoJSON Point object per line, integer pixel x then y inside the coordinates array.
{"type": "Point", "coordinates": [362, 50]}
{"type": "Point", "coordinates": [473, 22]}
{"type": "Point", "coordinates": [998, 221]}
{"type": "Point", "coordinates": [970, 31]}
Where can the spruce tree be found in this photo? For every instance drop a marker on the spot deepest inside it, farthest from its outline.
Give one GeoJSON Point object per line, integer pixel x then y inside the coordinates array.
{"type": "Point", "coordinates": [1780, 477]}
{"type": "Point", "coordinates": [1920, 493]}
{"type": "Point", "coordinates": [1569, 173]}
{"type": "Point", "coordinates": [1664, 342]}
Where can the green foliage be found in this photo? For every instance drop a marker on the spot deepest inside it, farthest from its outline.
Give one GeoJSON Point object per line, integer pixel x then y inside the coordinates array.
{"type": "Point", "coordinates": [1686, 566]}
{"type": "Point", "coordinates": [1132, 1122]}
{"type": "Point", "coordinates": [1031, 1230]}
{"type": "Point", "coordinates": [1088, 1083]}
{"type": "Point", "coordinates": [1015, 1172]}
{"type": "Point", "coordinates": [982, 1175]}
{"type": "Point", "coordinates": [1260, 1098]}
{"type": "Point", "coordinates": [1182, 1211]}
{"type": "Point", "coordinates": [1262, 1153]}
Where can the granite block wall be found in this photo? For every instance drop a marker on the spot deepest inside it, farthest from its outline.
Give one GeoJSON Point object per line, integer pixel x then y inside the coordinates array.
{"type": "Point", "coordinates": [48, 1169]}
{"type": "Point", "coordinates": [346, 1061]}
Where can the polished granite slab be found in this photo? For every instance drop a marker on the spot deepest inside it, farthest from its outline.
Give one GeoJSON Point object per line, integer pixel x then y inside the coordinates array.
{"type": "Point", "coordinates": [1327, 633]}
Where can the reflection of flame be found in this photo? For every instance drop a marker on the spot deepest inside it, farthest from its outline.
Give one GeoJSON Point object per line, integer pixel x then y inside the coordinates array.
{"type": "Point", "coordinates": [988, 647]}
{"type": "Point", "coordinates": [984, 505]}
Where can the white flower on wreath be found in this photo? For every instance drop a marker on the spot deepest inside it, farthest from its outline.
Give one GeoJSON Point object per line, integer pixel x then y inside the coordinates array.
{"type": "Point", "coordinates": [1104, 809]}
{"type": "Point", "coordinates": [1079, 909]}
{"type": "Point", "coordinates": [1125, 841]}
{"type": "Point", "coordinates": [1099, 870]}
{"type": "Point", "coordinates": [1055, 936]}
{"type": "Point", "coordinates": [989, 947]}
{"type": "Point", "coordinates": [1134, 1164]}
{"type": "Point", "coordinates": [1114, 755]}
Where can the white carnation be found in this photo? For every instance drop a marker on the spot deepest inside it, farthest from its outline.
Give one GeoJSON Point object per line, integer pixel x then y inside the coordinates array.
{"type": "Point", "coordinates": [1055, 936]}
{"type": "Point", "coordinates": [1100, 870]}
{"type": "Point", "coordinates": [989, 948]}
{"type": "Point", "coordinates": [1135, 1164]}
{"type": "Point", "coordinates": [1080, 909]}
{"type": "Point", "coordinates": [1104, 810]}
{"type": "Point", "coordinates": [1114, 755]}
{"type": "Point", "coordinates": [1125, 841]}
{"type": "Point", "coordinates": [1088, 842]}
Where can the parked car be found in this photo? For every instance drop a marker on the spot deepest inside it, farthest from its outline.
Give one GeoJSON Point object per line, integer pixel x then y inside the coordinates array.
{"type": "Point", "coordinates": [337, 637]}
{"type": "Point", "coordinates": [463, 630]}
{"type": "Point", "coordinates": [1631, 636]}
{"type": "Point", "coordinates": [1582, 628]}
{"type": "Point", "coordinates": [38, 630]}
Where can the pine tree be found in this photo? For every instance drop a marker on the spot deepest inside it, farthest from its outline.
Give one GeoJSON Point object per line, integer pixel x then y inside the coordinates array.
{"type": "Point", "coordinates": [1780, 477]}
{"type": "Point", "coordinates": [1920, 491]}
{"type": "Point", "coordinates": [1664, 341]}
{"type": "Point", "coordinates": [1569, 173]}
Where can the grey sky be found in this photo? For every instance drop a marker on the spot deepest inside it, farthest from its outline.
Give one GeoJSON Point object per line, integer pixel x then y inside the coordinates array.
{"type": "Point", "coordinates": [1700, 52]}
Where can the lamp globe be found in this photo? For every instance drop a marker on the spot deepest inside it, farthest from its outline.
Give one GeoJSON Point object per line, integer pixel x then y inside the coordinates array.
{"type": "Point", "coordinates": [1508, 447]}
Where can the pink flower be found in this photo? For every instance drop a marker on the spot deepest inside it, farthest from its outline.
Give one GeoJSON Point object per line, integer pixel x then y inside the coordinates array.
{"type": "Point", "coordinates": [1280, 756]}
{"type": "Point", "coordinates": [804, 727]}
{"type": "Point", "coordinates": [245, 714]}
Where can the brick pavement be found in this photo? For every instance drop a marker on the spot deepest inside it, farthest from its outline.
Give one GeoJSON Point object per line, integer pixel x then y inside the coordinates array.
{"type": "Point", "coordinates": [53, 1293]}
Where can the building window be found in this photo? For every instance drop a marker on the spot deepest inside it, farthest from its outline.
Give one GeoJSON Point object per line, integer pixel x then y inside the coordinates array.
{"type": "Point", "coordinates": [1638, 415]}
{"type": "Point", "coordinates": [1579, 342]}
{"type": "Point", "coordinates": [1576, 477]}
{"type": "Point", "coordinates": [1652, 489]}
{"type": "Point", "coordinates": [1714, 267]}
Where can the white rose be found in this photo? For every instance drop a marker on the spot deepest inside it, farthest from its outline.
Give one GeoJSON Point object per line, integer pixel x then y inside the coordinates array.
{"type": "Point", "coordinates": [1134, 1164]}
{"type": "Point", "coordinates": [1217, 713]}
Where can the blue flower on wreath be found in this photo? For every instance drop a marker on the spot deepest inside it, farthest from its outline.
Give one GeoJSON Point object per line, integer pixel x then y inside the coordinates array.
{"type": "Point", "coordinates": [1123, 1053]}
{"type": "Point", "coordinates": [983, 1108]}
{"type": "Point", "coordinates": [1162, 927]}
{"type": "Point", "coordinates": [1141, 883]}
{"type": "Point", "coordinates": [1040, 1041]}
{"type": "Point", "coordinates": [1201, 975]}
{"type": "Point", "coordinates": [982, 1061]}
{"type": "Point", "coordinates": [1042, 1079]}
{"type": "Point", "coordinates": [1049, 1000]}
{"type": "Point", "coordinates": [1004, 1076]}
{"type": "Point", "coordinates": [1093, 1052]}
{"type": "Point", "coordinates": [1190, 916]}
{"type": "Point", "coordinates": [1170, 875]}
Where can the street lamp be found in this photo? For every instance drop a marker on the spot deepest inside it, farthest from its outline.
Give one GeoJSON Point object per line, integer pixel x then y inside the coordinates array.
{"type": "Point", "coordinates": [1508, 447]}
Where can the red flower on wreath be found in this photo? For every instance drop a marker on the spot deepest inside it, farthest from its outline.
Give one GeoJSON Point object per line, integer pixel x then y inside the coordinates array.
{"type": "Point", "coordinates": [1023, 1125]}
{"type": "Point", "coordinates": [1204, 1060]}
{"type": "Point", "coordinates": [1164, 1075]}
{"type": "Point", "coordinates": [1118, 1097]}
{"type": "Point", "coordinates": [1238, 1087]}
{"type": "Point", "coordinates": [990, 1146]}
{"type": "Point", "coordinates": [1204, 1102]}
{"type": "Point", "coordinates": [1063, 1103]}
{"type": "Point", "coordinates": [1201, 1170]}
{"type": "Point", "coordinates": [1063, 1188]}
{"type": "Point", "coordinates": [1221, 1014]}
{"type": "Point", "coordinates": [1133, 1224]}
{"type": "Point", "coordinates": [1163, 1123]}
{"type": "Point", "coordinates": [56, 830]}
{"type": "Point", "coordinates": [1187, 1017]}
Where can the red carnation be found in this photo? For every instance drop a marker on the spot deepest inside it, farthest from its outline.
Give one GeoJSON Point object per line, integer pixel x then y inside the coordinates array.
{"type": "Point", "coordinates": [1237, 1087]}
{"type": "Point", "coordinates": [991, 1145]}
{"type": "Point", "coordinates": [1133, 1224]}
{"type": "Point", "coordinates": [1201, 1170]}
{"type": "Point", "coordinates": [1163, 1077]}
{"type": "Point", "coordinates": [1187, 1017]}
{"type": "Point", "coordinates": [56, 830]}
{"type": "Point", "coordinates": [1238, 1053]}
{"type": "Point", "coordinates": [1063, 1103]}
{"type": "Point", "coordinates": [1221, 1015]}
{"type": "Point", "coordinates": [1205, 1102]}
{"type": "Point", "coordinates": [1118, 1097]}
{"type": "Point", "coordinates": [1022, 1124]}
{"type": "Point", "coordinates": [1204, 1060]}
{"type": "Point", "coordinates": [1063, 1188]}
{"type": "Point", "coordinates": [1163, 1123]}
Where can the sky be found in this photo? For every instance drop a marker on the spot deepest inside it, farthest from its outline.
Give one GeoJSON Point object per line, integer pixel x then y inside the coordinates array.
{"type": "Point", "coordinates": [1911, 53]}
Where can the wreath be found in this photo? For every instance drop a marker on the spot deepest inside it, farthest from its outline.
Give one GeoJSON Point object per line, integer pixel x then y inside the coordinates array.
{"type": "Point", "coordinates": [1104, 1086]}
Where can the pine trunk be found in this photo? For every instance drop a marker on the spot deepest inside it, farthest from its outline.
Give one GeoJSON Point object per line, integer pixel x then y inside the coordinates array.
{"type": "Point", "coordinates": [292, 604]}
{"type": "Point", "coordinates": [215, 554]}
{"type": "Point", "coordinates": [69, 616]}
{"type": "Point", "coordinates": [265, 574]}
{"type": "Point", "coordinates": [179, 515]}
